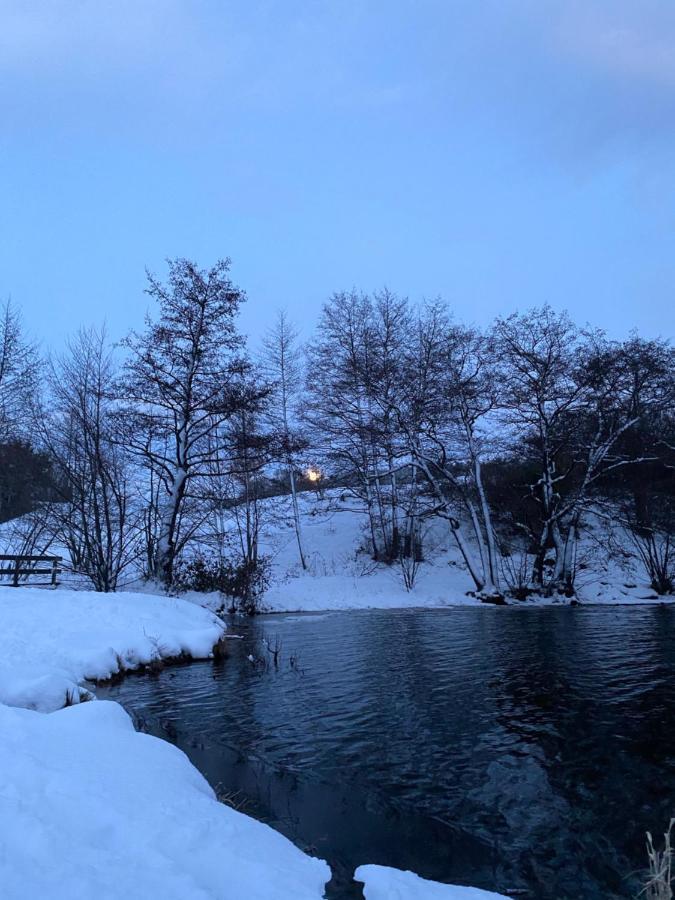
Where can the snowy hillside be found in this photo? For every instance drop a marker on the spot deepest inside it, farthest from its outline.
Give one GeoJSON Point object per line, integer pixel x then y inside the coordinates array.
{"type": "Point", "coordinates": [341, 574]}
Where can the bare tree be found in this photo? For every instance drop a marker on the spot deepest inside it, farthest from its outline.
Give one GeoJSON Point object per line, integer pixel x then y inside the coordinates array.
{"type": "Point", "coordinates": [250, 453]}
{"type": "Point", "coordinates": [282, 363]}
{"type": "Point", "coordinates": [449, 395]}
{"type": "Point", "coordinates": [647, 488]}
{"type": "Point", "coordinates": [231, 493]}
{"type": "Point", "coordinates": [569, 399]}
{"type": "Point", "coordinates": [337, 407]}
{"type": "Point", "coordinates": [354, 370]}
{"type": "Point", "coordinates": [403, 404]}
{"type": "Point", "coordinates": [537, 355]}
{"type": "Point", "coordinates": [96, 518]}
{"type": "Point", "coordinates": [184, 377]}
{"type": "Point", "coordinates": [469, 391]}
{"type": "Point", "coordinates": [388, 335]}
{"type": "Point", "coordinates": [19, 374]}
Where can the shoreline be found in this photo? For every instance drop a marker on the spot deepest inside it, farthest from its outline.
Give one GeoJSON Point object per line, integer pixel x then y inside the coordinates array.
{"type": "Point", "coordinates": [509, 604]}
{"type": "Point", "coordinates": [78, 775]}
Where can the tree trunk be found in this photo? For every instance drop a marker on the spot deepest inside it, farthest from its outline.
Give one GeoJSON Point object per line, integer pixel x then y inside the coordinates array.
{"type": "Point", "coordinates": [487, 522]}
{"type": "Point", "coordinates": [466, 555]}
{"type": "Point", "coordinates": [296, 514]}
{"type": "Point", "coordinates": [166, 544]}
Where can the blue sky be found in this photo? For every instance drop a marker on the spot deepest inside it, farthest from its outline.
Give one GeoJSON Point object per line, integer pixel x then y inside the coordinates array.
{"type": "Point", "coordinates": [499, 153]}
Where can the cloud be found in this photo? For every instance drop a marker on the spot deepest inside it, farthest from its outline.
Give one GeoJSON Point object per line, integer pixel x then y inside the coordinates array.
{"type": "Point", "coordinates": [567, 81]}
{"type": "Point", "coordinates": [574, 83]}
{"type": "Point", "coordinates": [626, 40]}
{"type": "Point", "coordinates": [186, 59]}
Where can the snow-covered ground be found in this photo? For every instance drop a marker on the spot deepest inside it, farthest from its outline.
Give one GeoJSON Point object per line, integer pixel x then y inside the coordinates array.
{"type": "Point", "coordinates": [88, 806]}
{"type": "Point", "coordinates": [52, 641]}
{"type": "Point", "coordinates": [341, 576]}
{"type": "Point", "coordinates": [384, 883]}
{"type": "Point", "coordinates": [91, 808]}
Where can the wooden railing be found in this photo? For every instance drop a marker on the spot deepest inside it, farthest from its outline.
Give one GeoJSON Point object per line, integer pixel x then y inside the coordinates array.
{"type": "Point", "coordinates": [31, 565]}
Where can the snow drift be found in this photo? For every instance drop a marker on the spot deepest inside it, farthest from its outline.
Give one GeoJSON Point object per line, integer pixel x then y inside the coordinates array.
{"type": "Point", "coordinates": [51, 641]}
{"type": "Point", "coordinates": [99, 810]}
{"type": "Point", "coordinates": [384, 883]}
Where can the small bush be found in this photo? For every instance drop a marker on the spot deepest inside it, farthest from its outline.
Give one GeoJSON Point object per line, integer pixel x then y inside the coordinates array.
{"type": "Point", "coordinates": [516, 569]}
{"type": "Point", "coordinates": [656, 552]}
{"type": "Point", "coordinates": [242, 582]}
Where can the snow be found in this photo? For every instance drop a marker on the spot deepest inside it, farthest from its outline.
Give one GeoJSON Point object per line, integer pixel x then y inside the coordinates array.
{"type": "Point", "coordinates": [384, 883]}
{"type": "Point", "coordinates": [376, 591]}
{"type": "Point", "coordinates": [99, 810]}
{"type": "Point", "coordinates": [341, 576]}
{"type": "Point", "coordinates": [52, 641]}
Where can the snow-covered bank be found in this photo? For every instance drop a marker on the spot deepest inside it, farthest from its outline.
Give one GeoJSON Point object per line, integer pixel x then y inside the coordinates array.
{"type": "Point", "coordinates": [384, 883]}
{"type": "Point", "coordinates": [51, 641]}
{"type": "Point", "coordinates": [92, 808]}
{"type": "Point", "coordinates": [379, 590]}
{"type": "Point", "coordinates": [341, 574]}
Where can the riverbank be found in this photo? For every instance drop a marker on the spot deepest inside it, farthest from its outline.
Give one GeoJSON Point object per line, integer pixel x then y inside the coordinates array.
{"type": "Point", "coordinates": [52, 642]}
{"type": "Point", "coordinates": [340, 573]}
{"type": "Point", "coordinates": [97, 809]}
{"type": "Point", "coordinates": [100, 810]}
{"type": "Point", "coordinates": [383, 883]}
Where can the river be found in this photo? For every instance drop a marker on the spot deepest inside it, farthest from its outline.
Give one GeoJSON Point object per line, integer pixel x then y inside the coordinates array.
{"type": "Point", "coordinates": [520, 750]}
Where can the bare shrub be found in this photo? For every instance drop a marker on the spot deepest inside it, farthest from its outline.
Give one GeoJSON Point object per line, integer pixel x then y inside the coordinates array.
{"type": "Point", "coordinates": [516, 572]}
{"type": "Point", "coordinates": [409, 566]}
{"type": "Point", "coordinates": [242, 581]}
{"type": "Point", "coordinates": [273, 647]}
{"type": "Point", "coordinates": [656, 553]}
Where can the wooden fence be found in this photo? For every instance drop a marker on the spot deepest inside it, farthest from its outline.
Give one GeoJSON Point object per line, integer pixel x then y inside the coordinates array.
{"type": "Point", "coordinates": [26, 566]}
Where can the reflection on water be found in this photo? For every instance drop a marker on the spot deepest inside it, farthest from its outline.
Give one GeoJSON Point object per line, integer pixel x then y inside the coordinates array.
{"type": "Point", "coordinates": [522, 750]}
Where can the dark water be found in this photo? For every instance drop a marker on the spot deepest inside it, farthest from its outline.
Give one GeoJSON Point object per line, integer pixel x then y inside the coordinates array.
{"type": "Point", "coordinates": [520, 750]}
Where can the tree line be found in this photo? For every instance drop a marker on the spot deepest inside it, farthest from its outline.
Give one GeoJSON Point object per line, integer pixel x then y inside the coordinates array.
{"type": "Point", "coordinates": [150, 459]}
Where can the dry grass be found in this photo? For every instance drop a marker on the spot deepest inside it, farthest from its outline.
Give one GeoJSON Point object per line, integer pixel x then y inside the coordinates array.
{"type": "Point", "coordinates": [234, 799]}
{"type": "Point", "coordinates": [659, 883]}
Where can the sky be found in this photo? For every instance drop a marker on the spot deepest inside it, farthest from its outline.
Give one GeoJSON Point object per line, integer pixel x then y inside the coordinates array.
{"type": "Point", "coordinates": [498, 153]}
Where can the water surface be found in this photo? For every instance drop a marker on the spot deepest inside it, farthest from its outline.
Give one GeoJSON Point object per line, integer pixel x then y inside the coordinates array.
{"type": "Point", "coordinates": [520, 750]}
